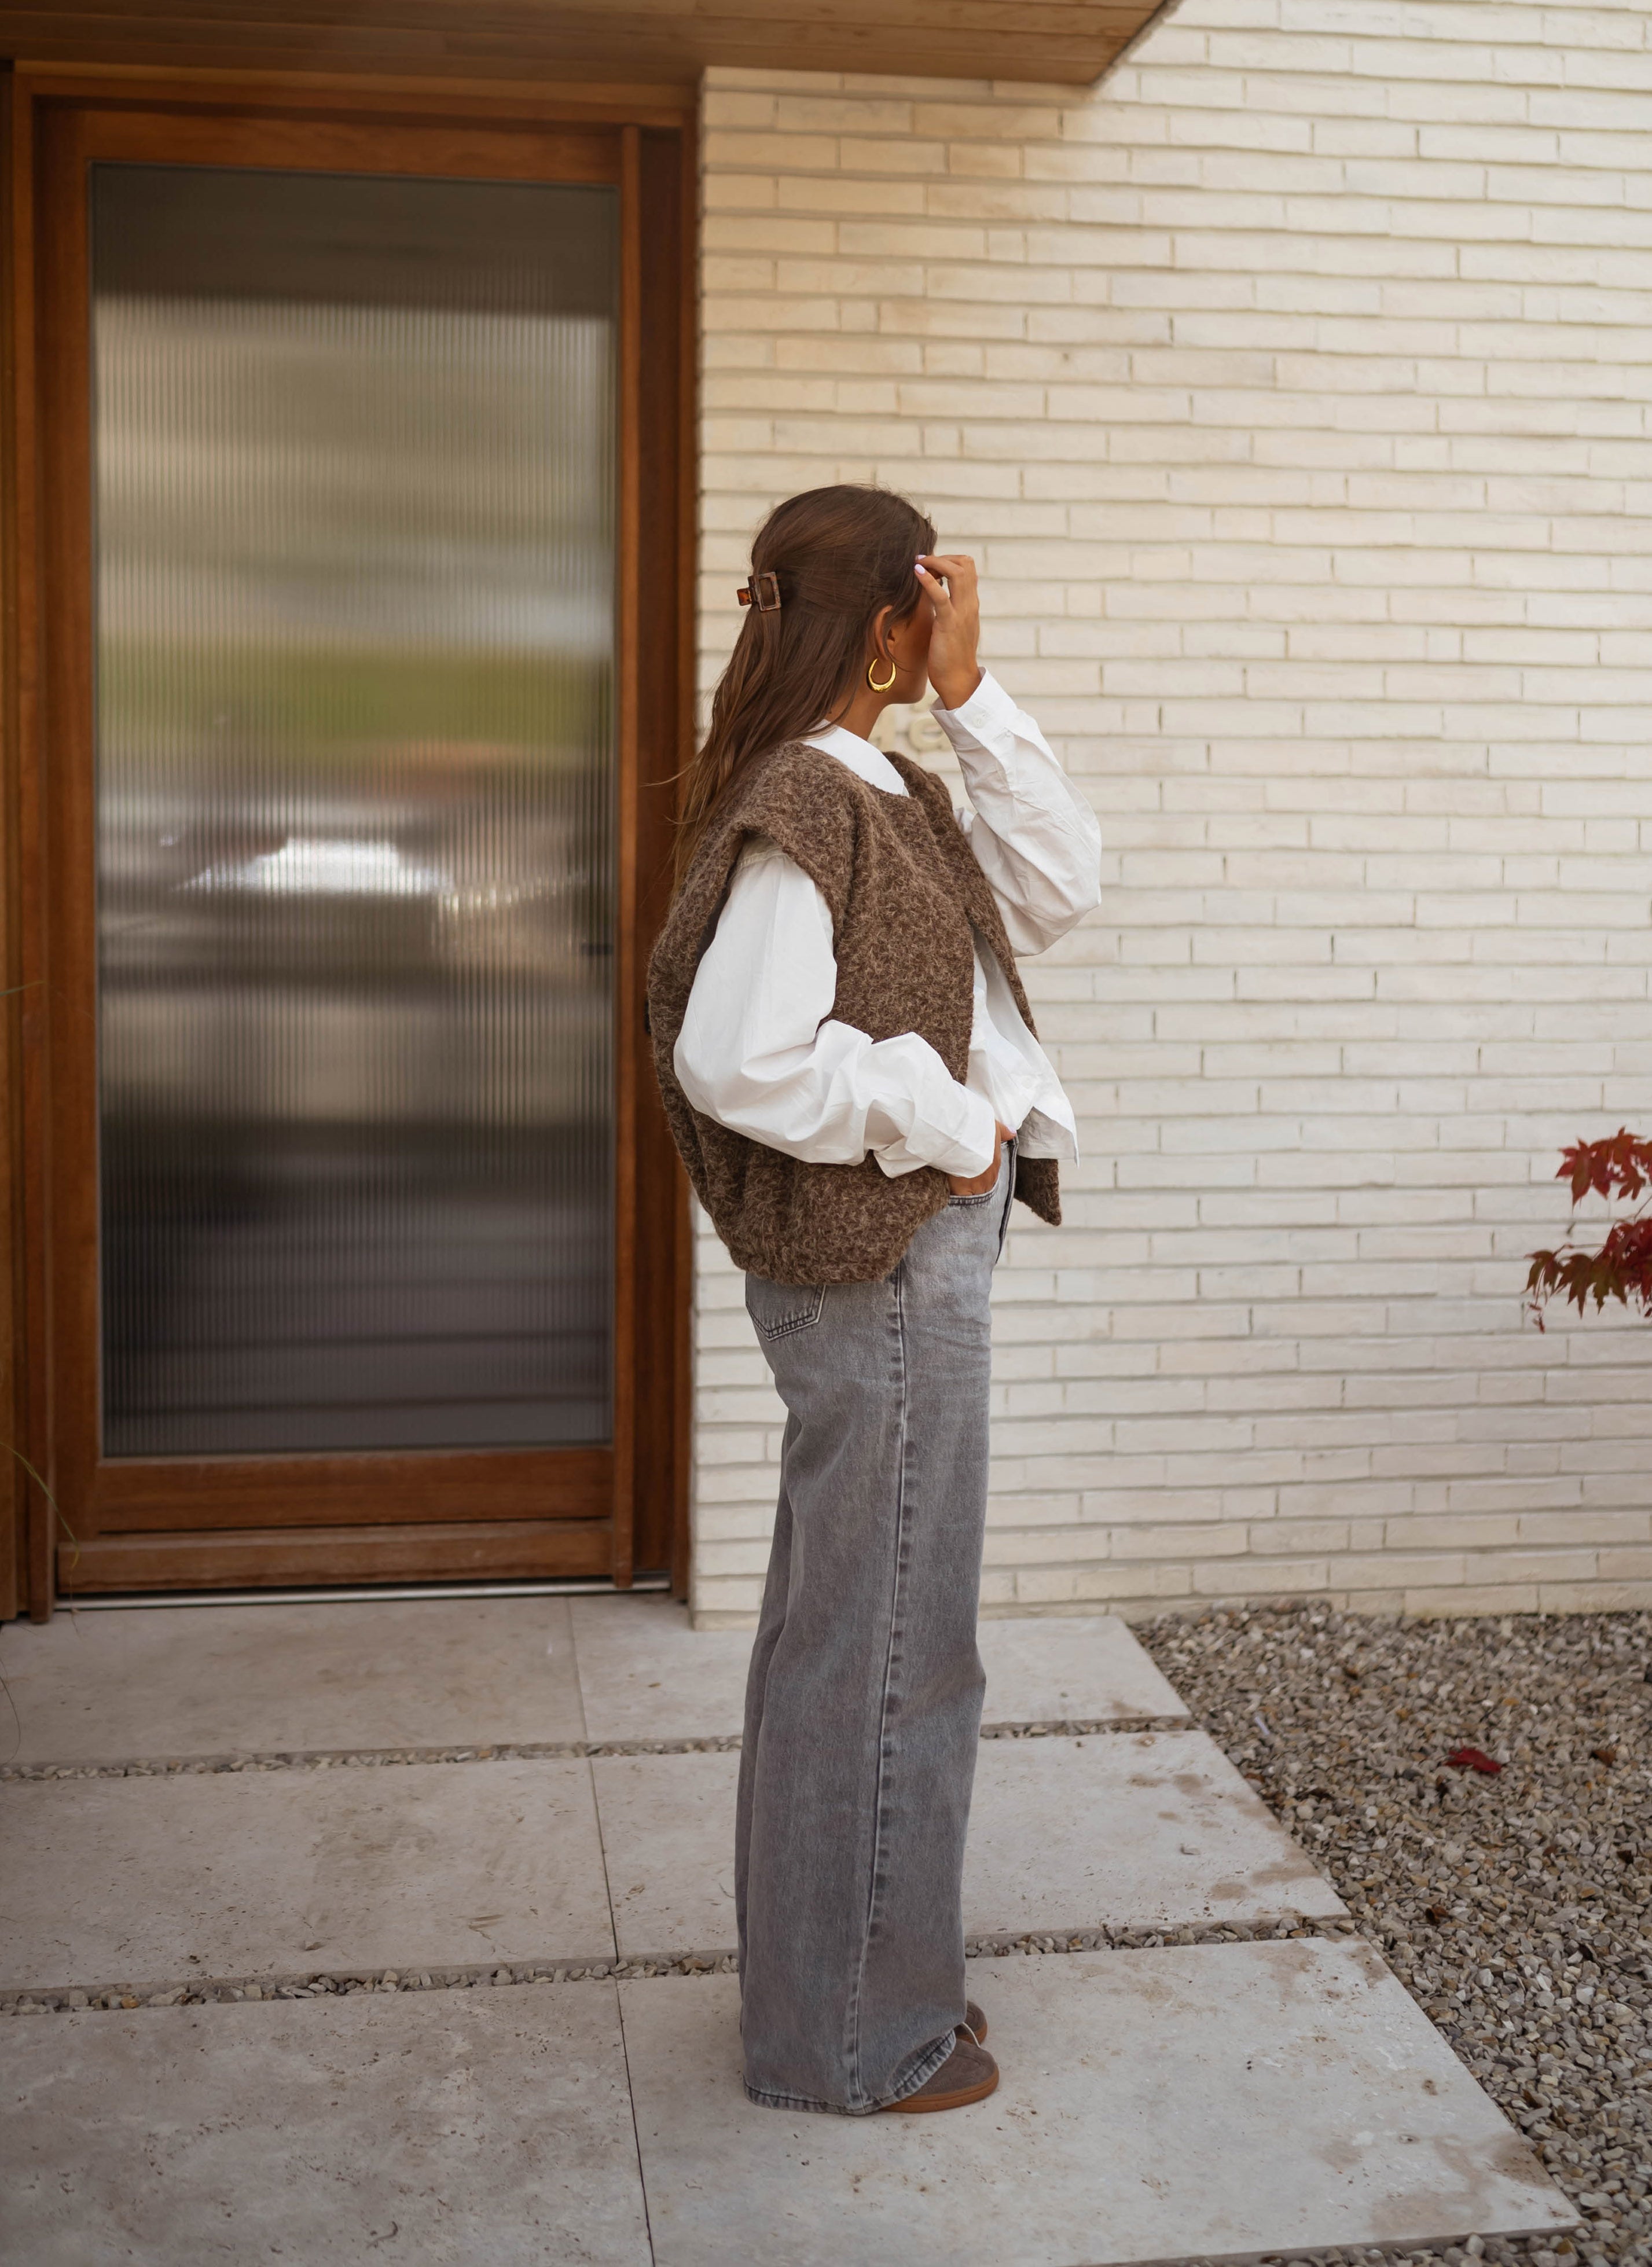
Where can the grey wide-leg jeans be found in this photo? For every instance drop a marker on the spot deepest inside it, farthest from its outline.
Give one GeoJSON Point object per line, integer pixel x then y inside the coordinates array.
{"type": "Point", "coordinates": [862, 1708]}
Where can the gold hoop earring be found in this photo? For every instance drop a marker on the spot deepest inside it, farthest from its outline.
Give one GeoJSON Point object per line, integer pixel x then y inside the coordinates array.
{"type": "Point", "coordinates": [881, 684]}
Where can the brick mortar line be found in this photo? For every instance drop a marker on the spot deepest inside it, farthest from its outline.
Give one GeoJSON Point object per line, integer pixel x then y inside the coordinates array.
{"type": "Point", "coordinates": [354, 1983]}
{"type": "Point", "coordinates": [521, 1750]}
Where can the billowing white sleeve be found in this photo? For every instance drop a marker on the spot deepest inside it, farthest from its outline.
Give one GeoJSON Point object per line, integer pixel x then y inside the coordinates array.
{"type": "Point", "coordinates": [1034, 836]}
{"type": "Point", "coordinates": [759, 1053]}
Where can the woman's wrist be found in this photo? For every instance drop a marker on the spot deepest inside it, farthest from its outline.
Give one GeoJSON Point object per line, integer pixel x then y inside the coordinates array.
{"type": "Point", "coordinates": [954, 686]}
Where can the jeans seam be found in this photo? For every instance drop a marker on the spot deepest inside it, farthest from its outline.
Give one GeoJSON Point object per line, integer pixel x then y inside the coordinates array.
{"type": "Point", "coordinates": [803, 1318]}
{"type": "Point", "coordinates": [923, 2069]}
{"type": "Point", "coordinates": [889, 1660]}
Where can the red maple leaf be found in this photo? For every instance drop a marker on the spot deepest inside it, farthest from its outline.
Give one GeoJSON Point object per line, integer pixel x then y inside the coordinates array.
{"type": "Point", "coordinates": [1473, 1759]}
{"type": "Point", "coordinates": [1621, 1165]}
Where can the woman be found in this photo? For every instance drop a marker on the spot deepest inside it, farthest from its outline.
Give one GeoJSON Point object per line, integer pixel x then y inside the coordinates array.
{"type": "Point", "coordinates": [851, 1074]}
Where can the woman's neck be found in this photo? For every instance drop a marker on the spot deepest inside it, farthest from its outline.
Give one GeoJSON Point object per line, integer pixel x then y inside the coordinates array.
{"type": "Point", "coordinates": [863, 713]}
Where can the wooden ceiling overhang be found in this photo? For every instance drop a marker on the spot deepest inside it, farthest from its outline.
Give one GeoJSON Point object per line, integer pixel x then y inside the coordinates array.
{"type": "Point", "coordinates": [669, 41]}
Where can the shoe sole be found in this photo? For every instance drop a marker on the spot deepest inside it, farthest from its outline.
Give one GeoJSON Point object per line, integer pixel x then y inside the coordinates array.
{"type": "Point", "coordinates": [916, 2105]}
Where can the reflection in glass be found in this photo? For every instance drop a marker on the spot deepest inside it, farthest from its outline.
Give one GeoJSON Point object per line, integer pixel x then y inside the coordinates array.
{"type": "Point", "coordinates": [355, 461]}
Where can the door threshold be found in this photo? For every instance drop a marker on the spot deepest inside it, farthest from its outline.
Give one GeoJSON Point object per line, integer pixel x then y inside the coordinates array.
{"type": "Point", "coordinates": [653, 1584]}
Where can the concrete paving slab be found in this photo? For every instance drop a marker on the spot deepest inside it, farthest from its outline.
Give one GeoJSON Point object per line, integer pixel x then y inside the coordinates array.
{"type": "Point", "coordinates": [1209, 2100]}
{"type": "Point", "coordinates": [277, 1872]}
{"type": "Point", "coordinates": [433, 2129]}
{"type": "Point", "coordinates": [645, 1675]}
{"type": "Point", "coordinates": [1135, 1830]}
{"type": "Point", "coordinates": [166, 1683]}
{"type": "Point", "coordinates": [668, 1839]}
{"type": "Point", "coordinates": [1059, 1669]}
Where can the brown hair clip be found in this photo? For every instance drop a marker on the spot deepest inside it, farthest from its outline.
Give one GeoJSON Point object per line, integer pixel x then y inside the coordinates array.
{"type": "Point", "coordinates": [762, 591]}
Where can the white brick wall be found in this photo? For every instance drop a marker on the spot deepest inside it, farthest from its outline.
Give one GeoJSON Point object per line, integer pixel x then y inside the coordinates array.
{"type": "Point", "coordinates": [1292, 389]}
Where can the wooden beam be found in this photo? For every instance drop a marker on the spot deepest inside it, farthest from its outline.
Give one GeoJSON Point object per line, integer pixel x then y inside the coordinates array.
{"type": "Point", "coordinates": [467, 1551]}
{"type": "Point", "coordinates": [14, 1482]}
{"type": "Point", "coordinates": [627, 943]}
{"type": "Point", "coordinates": [1068, 41]}
{"type": "Point", "coordinates": [27, 1407]}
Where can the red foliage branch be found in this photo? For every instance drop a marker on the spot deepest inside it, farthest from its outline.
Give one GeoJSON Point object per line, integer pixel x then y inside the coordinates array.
{"type": "Point", "coordinates": [1620, 1266]}
{"type": "Point", "coordinates": [1621, 1165]}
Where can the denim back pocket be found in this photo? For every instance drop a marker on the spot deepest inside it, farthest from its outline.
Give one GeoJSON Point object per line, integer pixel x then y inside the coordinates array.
{"type": "Point", "coordinates": [779, 1309]}
{"type": "Point", "coordinates": [986, 1197]}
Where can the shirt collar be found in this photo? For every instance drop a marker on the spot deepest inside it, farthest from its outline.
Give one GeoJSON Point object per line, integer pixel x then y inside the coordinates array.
{"type": "Point", "coordinates": [869, 763]}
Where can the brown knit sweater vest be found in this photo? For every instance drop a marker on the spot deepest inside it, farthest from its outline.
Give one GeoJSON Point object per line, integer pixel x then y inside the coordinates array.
{"type": "Point", "coordinates": [904, 891]}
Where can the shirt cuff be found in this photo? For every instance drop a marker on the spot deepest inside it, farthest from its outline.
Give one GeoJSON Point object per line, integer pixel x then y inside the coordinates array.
{"type": "Point", "coordinates": [989, 709]}
{"type": "Point", "coordinates": [924, 1119]}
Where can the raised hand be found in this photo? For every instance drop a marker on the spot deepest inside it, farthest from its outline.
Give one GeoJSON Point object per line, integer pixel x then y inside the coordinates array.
{"type": "Point", "coordinates": [950, 579]}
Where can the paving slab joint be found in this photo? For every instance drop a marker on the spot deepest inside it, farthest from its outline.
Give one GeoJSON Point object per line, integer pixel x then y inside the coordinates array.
{"type": "Point", "coordinates": [1083, 1728]}
{"type": "Point", "coordinates": [344, 1983]}
{"type": "Point", "coordinates": [511, 1751]}
{"type": "Point", "coordinates": [199, 1991]}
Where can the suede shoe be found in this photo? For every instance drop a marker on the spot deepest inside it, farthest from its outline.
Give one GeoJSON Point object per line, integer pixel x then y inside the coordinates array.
{"type": "Point", "coordinates": [968, 2074]}
{"type": "Point", "coordinates": [975, 2022]}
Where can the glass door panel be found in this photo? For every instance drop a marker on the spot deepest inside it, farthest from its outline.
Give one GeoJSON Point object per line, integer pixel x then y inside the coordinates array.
{"type": "Point", "coordinates": [355, 476]}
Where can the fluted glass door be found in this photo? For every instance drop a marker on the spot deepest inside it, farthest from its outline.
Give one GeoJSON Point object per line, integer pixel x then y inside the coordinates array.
{"type": "Point", "coordinates": [354, 601]}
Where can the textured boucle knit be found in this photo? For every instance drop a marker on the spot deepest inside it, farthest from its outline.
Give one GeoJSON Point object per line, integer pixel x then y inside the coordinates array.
{"type": "Point", "coordinates": [905, 892]}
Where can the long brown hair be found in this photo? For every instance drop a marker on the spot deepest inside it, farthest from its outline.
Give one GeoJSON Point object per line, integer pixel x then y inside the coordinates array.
{"type": "Point", "coordinates": [838, 556]}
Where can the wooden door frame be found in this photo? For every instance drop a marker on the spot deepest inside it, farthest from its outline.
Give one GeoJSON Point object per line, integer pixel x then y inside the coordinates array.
{"type": "Point", "coordinates": [632, 1514]}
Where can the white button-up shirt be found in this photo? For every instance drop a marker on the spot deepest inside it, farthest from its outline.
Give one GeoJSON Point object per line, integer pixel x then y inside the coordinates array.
{"type": "Point", "coordinates": [759, 1051]}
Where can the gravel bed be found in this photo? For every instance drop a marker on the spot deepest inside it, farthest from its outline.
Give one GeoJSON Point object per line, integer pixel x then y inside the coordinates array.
{"type": "Point", "coordinates": [1516, 1907]}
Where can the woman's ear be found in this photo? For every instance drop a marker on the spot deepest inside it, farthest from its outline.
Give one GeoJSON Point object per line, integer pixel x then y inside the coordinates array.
{"type": "Point", "coordinates": [908, 639]}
